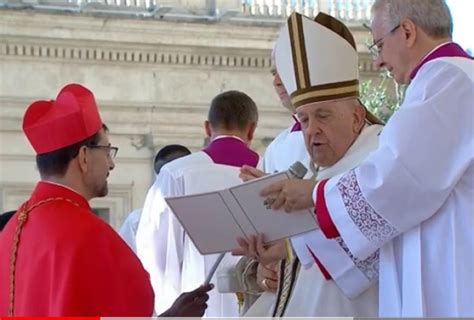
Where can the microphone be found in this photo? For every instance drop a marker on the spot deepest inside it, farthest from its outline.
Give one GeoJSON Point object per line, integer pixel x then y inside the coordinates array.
{"type": "Point", "coordinates": [296, 171]}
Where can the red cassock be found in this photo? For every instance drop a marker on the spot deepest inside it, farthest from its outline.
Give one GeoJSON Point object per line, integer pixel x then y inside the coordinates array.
{"type": "Point", "coordinates": [71, 263]}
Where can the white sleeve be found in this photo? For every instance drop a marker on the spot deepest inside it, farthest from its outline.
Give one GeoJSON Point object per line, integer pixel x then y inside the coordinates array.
{"type": "Point", "coordinates": [160, 241]}
{"type": "Point", "coordinates": [353, 276]}
{"type": "Point", "coordinates": [128, 230]}
{"type": "Point", "coordinates": [424, 150]}
{"type": "Point", "coordinates": [266, 162]}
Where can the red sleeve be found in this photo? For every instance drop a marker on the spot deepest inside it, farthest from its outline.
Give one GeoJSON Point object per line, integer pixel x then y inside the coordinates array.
{"type": "Point", "coordinates": [322, 214]}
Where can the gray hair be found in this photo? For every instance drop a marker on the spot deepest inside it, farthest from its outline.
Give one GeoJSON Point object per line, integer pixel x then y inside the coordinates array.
{"type": "Point", "coordinates": [432, 16]}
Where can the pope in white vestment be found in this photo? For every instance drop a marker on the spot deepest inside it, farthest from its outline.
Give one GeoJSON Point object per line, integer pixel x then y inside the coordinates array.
{"type": "Point", "coordinates": [313, 294]}
{"type": "Point", "coordinates": [167, 253]}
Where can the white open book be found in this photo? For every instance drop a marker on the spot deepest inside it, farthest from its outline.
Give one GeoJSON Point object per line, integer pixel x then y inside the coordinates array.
{"type": "Point", "coordinates": [214, 220]}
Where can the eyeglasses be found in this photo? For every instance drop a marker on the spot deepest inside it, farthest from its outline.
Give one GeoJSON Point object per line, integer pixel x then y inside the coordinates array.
{"type": "Point", "coordinates": [376, 48]}
{"type": "Point", "coordinates": [111, 151]}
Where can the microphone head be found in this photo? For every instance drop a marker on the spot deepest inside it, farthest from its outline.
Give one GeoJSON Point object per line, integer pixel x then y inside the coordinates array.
{"type": "Point", "coordinates": [297, 170]}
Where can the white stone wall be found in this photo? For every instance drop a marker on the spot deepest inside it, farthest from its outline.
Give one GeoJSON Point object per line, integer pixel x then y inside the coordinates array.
{"type": "Point", "coordinates": [153, 81]}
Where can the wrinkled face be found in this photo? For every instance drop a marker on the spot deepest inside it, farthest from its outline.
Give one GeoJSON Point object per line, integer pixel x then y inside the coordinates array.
{"type": "Point", "coordinates": [280, 90]}
{"type": "Point", "coordinates": [390, 42]}
{"type": "Point", "coordinates": [330, 128]}
{"type": "Point", "coordinates": [99, 165]}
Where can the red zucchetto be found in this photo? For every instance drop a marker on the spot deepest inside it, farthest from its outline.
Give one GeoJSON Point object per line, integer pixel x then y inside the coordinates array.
{"type": "Point", "coordinates": [71, 118]}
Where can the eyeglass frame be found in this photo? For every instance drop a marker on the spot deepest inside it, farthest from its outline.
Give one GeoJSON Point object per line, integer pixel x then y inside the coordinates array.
{"type": "Point", "coordinates": [112, 151]}
{"type": "Point", "coordinates": [374, 50]}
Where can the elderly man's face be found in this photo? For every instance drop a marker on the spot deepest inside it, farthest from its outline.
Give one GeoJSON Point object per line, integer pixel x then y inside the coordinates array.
{"type": "Point", "coordinates": [280, 90]}
{"type": "Point", "coordinates": [390, 43]}
{"type": "Point", "coordinates": [330, 128]}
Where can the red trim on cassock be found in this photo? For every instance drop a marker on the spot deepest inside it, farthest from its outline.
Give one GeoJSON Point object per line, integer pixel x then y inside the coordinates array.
{"type": "Point", "coordinates": [325, 273]}
{"type": "Point", "coordinates": [322, 214]}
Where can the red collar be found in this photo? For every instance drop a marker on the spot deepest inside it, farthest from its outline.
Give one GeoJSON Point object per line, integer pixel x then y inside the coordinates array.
{"type": "Point", "coordinates": [45, 190]}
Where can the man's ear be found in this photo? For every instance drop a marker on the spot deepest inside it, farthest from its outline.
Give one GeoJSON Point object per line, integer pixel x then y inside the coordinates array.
{"type": "Point", "coordinates": [83, 158]}
{"type": "Point", "coordinates": [409, 30]}
{"type": "Point", "coordinates": [251, 131]}
{"type": "Point", "coordinates": [359, 118]}
{"type": "Point", "coordinates": [207, 128]}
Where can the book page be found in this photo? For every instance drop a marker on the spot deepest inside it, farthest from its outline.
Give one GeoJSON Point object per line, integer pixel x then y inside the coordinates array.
{"type": "Point", "coordinates": [274, 224]}
{"type": "Point", "coordinates": [207, 221]}
{"type": "Point", "coordinates": [202, 213]}
{"type": "Point", "coordinates": [214, 220]}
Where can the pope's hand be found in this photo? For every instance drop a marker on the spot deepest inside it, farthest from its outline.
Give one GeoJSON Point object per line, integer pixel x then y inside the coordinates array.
{"type": "Point", "coordinates": [265, 254]}
{"type": "Point", "coordinates": [292, 195]}
{"type": "Point", "coordinates": [267, 277]}
{"type": "Point", "coordinates": [249, 173]}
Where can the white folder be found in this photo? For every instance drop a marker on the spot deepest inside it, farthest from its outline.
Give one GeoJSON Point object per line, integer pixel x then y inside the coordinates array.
{"type": "Point", "coordinates": [214, 220]}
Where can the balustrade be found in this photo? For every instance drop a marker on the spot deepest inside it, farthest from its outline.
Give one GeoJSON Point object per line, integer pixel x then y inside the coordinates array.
{"type": "Point", "coordinates": [347, 10]}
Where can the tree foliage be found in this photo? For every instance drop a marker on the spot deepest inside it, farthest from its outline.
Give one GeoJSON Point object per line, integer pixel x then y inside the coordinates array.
{"type": "Point", "coordinates": [378, 99]}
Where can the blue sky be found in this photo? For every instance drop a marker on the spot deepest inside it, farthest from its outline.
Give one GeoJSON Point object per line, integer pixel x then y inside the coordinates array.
{"type": "Point", "coordinates": [462, 12]}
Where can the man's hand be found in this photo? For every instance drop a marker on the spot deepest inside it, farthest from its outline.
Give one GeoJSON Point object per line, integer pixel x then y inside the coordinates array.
{"type": "Point", "coordinates": [190, 304]}
{"type": "Point", "coordinates": [292, 195]}
{"type": "Point", "coordinates": [249, 173]}
{"type": "Point", "coordinates": [265, 254]}
{"type": "Point", "coordinates": [267, 277]}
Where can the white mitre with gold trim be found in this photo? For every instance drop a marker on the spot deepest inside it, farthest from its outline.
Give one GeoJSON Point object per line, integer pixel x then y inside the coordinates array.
{"type": "Point", "coordinates": [317, 60]}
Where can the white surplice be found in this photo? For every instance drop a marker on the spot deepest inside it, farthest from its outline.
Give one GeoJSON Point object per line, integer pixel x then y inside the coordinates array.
{"type": "Point", "coordinates": [414, 198]}
{"type": "Point", "coordinates": [128, 230]}
{"type": "Point", "coordinates": [167, 253]}
{"type": "Point", "coordinates": [312, 294]}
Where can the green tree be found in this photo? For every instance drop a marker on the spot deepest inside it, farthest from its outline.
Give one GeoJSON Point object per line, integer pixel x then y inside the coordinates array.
{"type": "Point", "coordinates": [378, 100]}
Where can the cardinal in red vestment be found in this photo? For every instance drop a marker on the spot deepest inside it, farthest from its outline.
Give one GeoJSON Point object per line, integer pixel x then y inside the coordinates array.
{"type": "Point", "coordinates": [57, 258]}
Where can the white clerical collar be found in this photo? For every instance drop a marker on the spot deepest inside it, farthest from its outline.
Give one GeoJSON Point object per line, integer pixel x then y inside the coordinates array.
{"type": "Point", "coordinates": [227, 136]}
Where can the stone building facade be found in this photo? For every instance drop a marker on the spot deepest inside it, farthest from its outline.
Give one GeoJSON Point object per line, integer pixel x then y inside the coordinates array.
{"type": "Point", "coordinates": [153, 69]}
